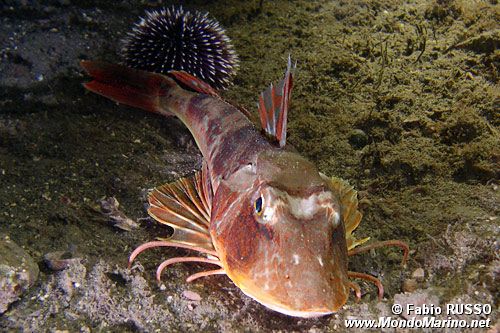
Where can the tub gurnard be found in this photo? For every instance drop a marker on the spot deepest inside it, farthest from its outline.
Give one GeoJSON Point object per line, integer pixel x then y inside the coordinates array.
{"type": "Point", "coordinates": [276, 226]}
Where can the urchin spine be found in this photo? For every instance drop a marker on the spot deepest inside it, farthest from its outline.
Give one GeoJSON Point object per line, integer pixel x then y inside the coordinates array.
{"type": "Point", "coordinates": [175, 39]}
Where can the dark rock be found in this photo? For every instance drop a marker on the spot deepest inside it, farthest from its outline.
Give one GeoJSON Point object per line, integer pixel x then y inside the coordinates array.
{"type": "Point", "coordinates": [59, 260]}
{"type": "Point", "coordinates": [358, 138]}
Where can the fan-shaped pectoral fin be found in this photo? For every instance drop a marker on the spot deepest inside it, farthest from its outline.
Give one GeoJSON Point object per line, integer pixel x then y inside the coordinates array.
{"type": "Point", "coordinates": [351, 216]}
{"type": "Point", "coordinates": [185, 205]}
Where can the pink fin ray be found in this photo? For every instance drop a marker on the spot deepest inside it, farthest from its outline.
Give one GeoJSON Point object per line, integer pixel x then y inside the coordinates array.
{"type": "Point", "coordinates": [167, 243]}
{"type": "Point", "coordinates": [273, 106]}
{"type": "Point", "coordinates": [370, 278]}
{"type": "Point", "coordinates": [205, 274]}
{"type": "Point", "coordinates": [176, 260]}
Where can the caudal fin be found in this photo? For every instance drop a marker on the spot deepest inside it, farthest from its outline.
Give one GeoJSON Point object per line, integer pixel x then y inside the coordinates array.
{"type": "Point", "coordinates": [128, 86]}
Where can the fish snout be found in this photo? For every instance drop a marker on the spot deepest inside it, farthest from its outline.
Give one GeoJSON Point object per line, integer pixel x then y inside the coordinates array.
{"type": "Point", "coordinates": [314, 287]}
{"type": "Point", "coordinates": [314, 274]}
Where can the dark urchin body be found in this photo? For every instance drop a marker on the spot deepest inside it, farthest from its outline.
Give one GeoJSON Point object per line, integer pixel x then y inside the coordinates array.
{"type": "Point", "coordinates": [176, 39]}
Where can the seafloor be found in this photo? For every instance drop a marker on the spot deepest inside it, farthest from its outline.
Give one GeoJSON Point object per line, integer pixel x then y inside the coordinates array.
{"type": "Point", "coordinates": [400, 98]}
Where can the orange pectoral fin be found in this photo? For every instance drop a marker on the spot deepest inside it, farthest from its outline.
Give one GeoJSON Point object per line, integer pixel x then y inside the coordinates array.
{"type": "Point", "coordinates": [128, 86]}
{"type": "Point", "coordinates": [185, 206]}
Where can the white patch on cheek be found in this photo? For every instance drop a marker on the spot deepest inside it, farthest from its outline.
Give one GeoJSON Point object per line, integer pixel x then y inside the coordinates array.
{"type": "Point", "coordinates": [268, 213]}
{"type": "Point", "coordinates": [320, 260]}
{"type": "Point", "coordinates": [336, 219]}
{"type": "Point", "coordinates": [305, 208]}
{"type": "Point", "coordinates": [296, 259]}
{"type": "Point", "coordinates": [302, 208]}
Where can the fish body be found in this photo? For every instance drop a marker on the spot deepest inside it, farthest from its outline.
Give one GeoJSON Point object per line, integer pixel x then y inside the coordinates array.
{"type": "Point", "coordinates": [278, 228]}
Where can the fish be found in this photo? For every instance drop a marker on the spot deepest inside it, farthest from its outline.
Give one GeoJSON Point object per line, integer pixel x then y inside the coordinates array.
{"type": "Point", "coordinates": [260, 212]}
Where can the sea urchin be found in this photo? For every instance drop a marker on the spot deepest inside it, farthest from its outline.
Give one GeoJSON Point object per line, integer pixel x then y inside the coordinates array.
{"type": "Point", "coordinates": [177, 39]}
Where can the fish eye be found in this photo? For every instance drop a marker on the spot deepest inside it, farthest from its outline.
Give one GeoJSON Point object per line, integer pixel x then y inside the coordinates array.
{"type": "Point", "coordinates": [258, 206]}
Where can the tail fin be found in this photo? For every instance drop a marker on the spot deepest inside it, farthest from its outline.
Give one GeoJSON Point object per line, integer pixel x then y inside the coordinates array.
{"type": "Point", "coordinates": [128, 86]}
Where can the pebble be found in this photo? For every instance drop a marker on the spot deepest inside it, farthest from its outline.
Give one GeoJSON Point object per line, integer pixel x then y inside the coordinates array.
{"type": "Point", "coordinates": [110, 208]}
{"type": "Point", "coordinates": [191, 295]}
{"type": "Point", "coordinates": [410, 285]}
{"type": "Point", "coordinates": [418, 274]}
{"type": "Point", "coordinates": [358, 138]}
{"type": "Point", "coordinates": [58, 260]}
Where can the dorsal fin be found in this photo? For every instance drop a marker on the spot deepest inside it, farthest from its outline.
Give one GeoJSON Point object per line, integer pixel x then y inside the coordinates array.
{"type": "Point", "coordinates": [185, 205]}
{"type": "Point", "coordinates": [348, 198]}
{"type": "Point", "coordinates": [273, 106]}
{"type": "Point", "coordinates": [193, 83]}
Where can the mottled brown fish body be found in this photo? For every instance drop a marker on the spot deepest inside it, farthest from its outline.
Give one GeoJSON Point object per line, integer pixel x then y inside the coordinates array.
{"type": "Point", "coordinates": [293, 262]}
{"type": "Point", "coordinates": [227, 138]}
{"type": "Point", "coordinates": [275, 225]}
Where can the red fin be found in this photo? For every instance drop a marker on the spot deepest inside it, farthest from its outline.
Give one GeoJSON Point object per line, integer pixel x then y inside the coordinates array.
{"type": "Point", "coordinates": [273, 106]}
{"type": "Point", "coordinates": [192, 82]}
{"type": "Point", "coordinates": [128, 86]}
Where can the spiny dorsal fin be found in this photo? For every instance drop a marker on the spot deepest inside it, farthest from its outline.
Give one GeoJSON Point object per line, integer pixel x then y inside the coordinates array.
{"type": "Point", "coordinates": [185, 205]}
{"type": "Point", "coordinates": [349, 204]}
{"type": "Point", "coordinates": [273, 106]}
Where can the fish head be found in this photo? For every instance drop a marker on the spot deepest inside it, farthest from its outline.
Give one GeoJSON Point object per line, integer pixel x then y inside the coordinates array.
{"type": "Point", "coordinates": [279, 232]}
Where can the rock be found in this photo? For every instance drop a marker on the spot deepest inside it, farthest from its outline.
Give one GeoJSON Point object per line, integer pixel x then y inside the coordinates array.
{"type": "Point", "coordinates": [110, 208]}
{"type": "Point", "coordinates": [191, 295]}
{"type": "Point", "coordinates": [358, 138]}
{"type": "Point", "coordinates": [18, 272]}
{"type": "Point", "coordinates": [418, 274]}
{"type": "Point", "coordinates": [59, 260]}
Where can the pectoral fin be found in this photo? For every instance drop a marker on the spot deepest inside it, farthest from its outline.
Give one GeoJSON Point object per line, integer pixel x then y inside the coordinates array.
{"type": "Point", "coordinates": [185, 206]}
{"type": "Point", "coordinates": [350, 213]}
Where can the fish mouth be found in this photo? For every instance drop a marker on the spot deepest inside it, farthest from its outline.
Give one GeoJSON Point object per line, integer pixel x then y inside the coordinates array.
{"type": "Point", "coordinates": [296, 307]}
{"type": "Point", "coordinates": [302, 313]}
{"type": "Point", "coordinates": [313, 313]}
